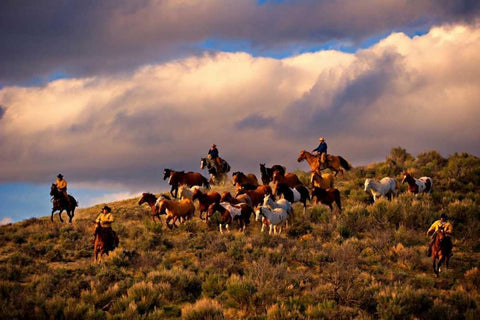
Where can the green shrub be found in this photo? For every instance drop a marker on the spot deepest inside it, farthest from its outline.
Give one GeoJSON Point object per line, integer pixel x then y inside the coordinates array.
{"type": "Point", "coordinates": [239, 292]}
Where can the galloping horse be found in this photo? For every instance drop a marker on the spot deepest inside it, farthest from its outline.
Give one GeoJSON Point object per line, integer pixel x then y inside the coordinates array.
{"type": "Point", "coordinates": [205, 200]}
{"type": "Point", "coordinates": [267, 173]}
{"type": "Point", "coordinates": [183, 209]}
{"type": "Point", "coordinates": [416, 186]}
{"type": "Point", "coordinates": [386, 187]}
{"type": "Point", "coordinates": [327, 197]}
{"type": "Point", "coordinates": [440, 251]}
{"type": "Point", "coordinates": [178, 178]}
{"type": "Point", "coordinates": [256, 195]}
{"type": "Point", "coordinates": [105, 241]}
{"type": "Point", "coordinates": [335, 163]}
{"type": "Point", "coordinates": [217, 175]}
{"type": "Point", "coordinates": [298, 194]}
{"type": "Point", "coordinates": [324, 181]}
{"type": "Point", "coordinates": [241, 198]}
{"type": "Point", "coordinates": [229, 212]}
{"type": "Point", "coordinates": [151, 199]}
{"type": "Point", "coordinates": [247, 181]}
{"type": "Point", "coordinates": [60, 203]}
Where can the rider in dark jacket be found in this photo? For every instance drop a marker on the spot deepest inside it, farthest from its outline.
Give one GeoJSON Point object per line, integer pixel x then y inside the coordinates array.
{"type": "Point", "coordinates": [322, 150]}
{"type": "Point", "coordinates": [213, 154]}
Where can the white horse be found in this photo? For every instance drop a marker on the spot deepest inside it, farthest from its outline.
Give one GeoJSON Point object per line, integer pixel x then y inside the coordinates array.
{"type": "Point", "coordinates": [281, 203]}
{"type": "Point", "coordinates": [187, 193]}
{"type": "Point", "coordinates": [386, 186]}
{"type": "Point", "coordinates": [273, 217]}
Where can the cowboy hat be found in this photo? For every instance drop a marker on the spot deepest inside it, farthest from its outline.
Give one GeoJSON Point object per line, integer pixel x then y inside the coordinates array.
{"type": "Point", "coordinates": [321, 139]}
{"type": "Point", "coordinates": [107, 208]}
{"type": "Point", "coordinates": [60, 175]}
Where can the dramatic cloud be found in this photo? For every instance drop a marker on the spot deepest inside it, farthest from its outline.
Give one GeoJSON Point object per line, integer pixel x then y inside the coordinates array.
{"type": "Point", "coordinates": [420, 93]}
{"type": "Point", "coordinates": [52, 38]}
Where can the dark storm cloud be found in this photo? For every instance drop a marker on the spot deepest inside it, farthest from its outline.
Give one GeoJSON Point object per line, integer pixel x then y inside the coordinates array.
{"type": "Point", "coordinates": [254, 122]}
{"type": "Point", "coordinates": [77, 38]}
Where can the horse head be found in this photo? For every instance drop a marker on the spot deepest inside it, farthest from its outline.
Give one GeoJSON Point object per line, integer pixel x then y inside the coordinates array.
{"type": "Point", "coordinates": [367, 184]}
{"type": "Point", "coordinates": [167, 173]}
{"type": "Point", "coordinates": [406, 177]}
{"type": "Point", "coordinates": [301, 156]}
{"type": "Point", "coordinates": [148, 198]}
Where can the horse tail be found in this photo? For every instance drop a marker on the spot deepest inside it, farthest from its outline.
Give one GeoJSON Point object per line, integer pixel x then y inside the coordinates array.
{"type": "Point", "coordinates": [344, 163]}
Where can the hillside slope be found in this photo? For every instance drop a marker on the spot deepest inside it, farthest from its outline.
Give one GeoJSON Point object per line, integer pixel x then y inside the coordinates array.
{"type": "Point", "coordinates": [368, 262]}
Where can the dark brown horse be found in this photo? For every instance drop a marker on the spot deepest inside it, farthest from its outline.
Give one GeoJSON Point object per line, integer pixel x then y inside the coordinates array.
{"type": "Point", "coordinates": [60, 203]}
{"type": "Point", "coordinates": [248, 181]}
{"type": "Point", "coordinates": [205, 200]}
{"type": "Point", "coordinates": [257, 195]}
{"type": "Point", "coordinates": [230, 212]}
{"type": "Point", "coordinates": [335, 163]}
{"type": "Point", "coordinates": [151, 199]}
{"type": "Point", "coordinates": [327, 197]}
{"type": "Point", "coordinates": [441, 250]}
{"type": "Point", "coordinates": [267, 173]}
{"type": "Point", "coordinates": [106, 240]}
{"type": "Point", "coordinates": [178, 178]}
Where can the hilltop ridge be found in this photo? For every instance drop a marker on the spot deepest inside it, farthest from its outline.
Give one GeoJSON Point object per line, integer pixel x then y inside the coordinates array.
{"type": "Point", "coordinates": [368, 262]}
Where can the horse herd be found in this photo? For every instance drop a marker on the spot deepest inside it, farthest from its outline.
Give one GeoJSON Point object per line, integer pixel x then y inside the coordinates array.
{"type": "Point", "coordinates": [270, 202]}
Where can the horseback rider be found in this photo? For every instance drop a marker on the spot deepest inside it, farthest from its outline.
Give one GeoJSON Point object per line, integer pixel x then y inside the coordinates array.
{"type": "Point", "coordinates": [62, 187]}
{"type": "Point", "coordinates": [105, 219]}
{"type": "Point", "coordinates": [322, 151]}
{"type": "Point", "coordinates": [447, 228]}
{"type": "Point", "coordinates": [213, 155]}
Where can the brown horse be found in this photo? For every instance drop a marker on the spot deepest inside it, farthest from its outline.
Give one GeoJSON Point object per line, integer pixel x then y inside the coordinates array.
{"type": "Point", "coordinates": [441, 250]}
{"type": "Point", "coordinates": [60, 203]}
{"type": "Point", "coordinates": [205, 200]}
{"type": "Point", "coordinates": [324, 181]}
{"type": "Point", "coordinates": [151, 199]}
{"type": "Point", "coordinates": [257, 195]}
{"type": "Point", "coordinates": [106, 240]}
{"type": "Point", "coordinates": [267, 173]}
{"type": "Point", "coordinates": [178, 178]}
{"type": "Point", "coordinates": [183, 209]}
{"type": "Point", "coordinates": [335, 163]}
{"type": "Point", "coordinates": [244, 180]}
{"type": "Point", "coordinates": [230, 212]}
{"type": "Point", "coordinates": [290, 179]}
{"type": "Point", "coordinates": [241, 198]}
{"type": "Point", "coordinates": [327, 197]}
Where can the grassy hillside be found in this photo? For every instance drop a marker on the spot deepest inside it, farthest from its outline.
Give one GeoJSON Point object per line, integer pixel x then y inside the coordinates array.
{"type": "Point", "coordinates": [366, 263]}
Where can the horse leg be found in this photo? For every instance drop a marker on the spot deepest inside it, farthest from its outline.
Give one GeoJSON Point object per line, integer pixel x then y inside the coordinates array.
{"type": "Point", "coordinates": [167, 222]}
{"type": "Point", "coordinates": [60, 215]}
{"type": "Point", "coordinates": [51, 218]}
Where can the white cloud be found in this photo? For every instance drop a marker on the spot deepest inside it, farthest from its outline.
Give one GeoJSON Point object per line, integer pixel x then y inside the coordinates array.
{"type": "Point", "coordinates": [5, 221]}
{"type": "Point", "coordinates": [420, 93]}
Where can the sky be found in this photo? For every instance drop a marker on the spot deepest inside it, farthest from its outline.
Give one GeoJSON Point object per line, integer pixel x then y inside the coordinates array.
{"type": "Point", "coordinates": [109, 93]}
